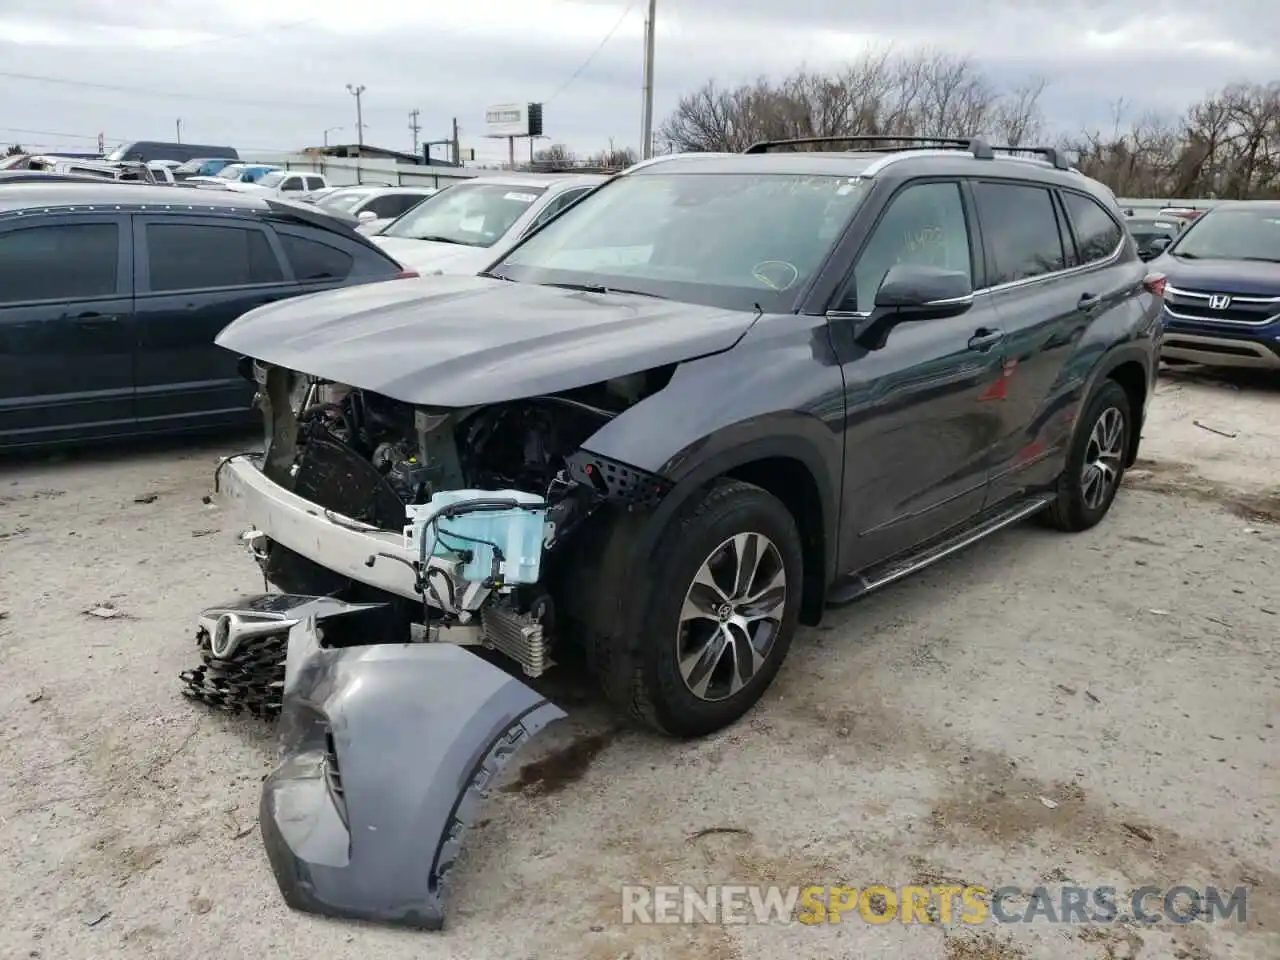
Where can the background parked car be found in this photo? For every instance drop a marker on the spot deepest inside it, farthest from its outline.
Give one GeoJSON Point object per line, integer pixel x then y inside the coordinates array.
{"type": "Point", "coordinates": [1146, 231]}
{"type": "Point", "coordinates": [111, 296]}
{"type": "Point", "coordinates": [1222, 288]}
{"type": "Point", "coordinates": [235, 173]}
{"type": "Point", "coordinates": [469, 225]}
{"type": "Point", "coordinates": [374, 207]}
{"type": "Point", "coordinates": [283, 183]}
{"type": "Point", "coordinates": [202, 167]}
{"type": "Point", "coordinates": [144, 150]}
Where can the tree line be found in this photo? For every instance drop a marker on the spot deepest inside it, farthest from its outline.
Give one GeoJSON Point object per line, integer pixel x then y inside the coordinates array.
{"type": "Point", "coordinates": [1225, 146]}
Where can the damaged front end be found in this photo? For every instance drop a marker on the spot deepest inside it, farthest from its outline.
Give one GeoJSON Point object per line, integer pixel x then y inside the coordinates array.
{"type": "Point", "coordinates": [463, 522]}
{"type": "Point", "coordinates": [386, 751]}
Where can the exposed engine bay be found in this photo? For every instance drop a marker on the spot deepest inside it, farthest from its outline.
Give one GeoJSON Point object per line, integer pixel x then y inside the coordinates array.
{"type": "Point", "coordinates": [500, 491]}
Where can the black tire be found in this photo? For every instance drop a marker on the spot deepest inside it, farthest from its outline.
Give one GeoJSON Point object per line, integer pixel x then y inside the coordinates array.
{"type": "Point", "coordinates": [656, 692]}
{"type": "Point", "coordinates": [1076, 509]}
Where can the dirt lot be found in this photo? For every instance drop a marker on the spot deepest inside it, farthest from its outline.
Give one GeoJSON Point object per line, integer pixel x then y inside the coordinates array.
{"type": "Point", "coordinates": [1096, 710]}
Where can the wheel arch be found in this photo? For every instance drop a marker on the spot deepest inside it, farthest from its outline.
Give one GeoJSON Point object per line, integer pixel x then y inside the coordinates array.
{"type": "Point", "coordinates": [1131, 367]}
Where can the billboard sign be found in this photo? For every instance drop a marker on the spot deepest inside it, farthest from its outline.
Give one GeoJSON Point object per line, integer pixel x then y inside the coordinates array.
{"type": "Point", "coordinates": [507, 120]}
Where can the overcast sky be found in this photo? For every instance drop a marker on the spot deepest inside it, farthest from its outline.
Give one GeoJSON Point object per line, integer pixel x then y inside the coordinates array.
{"type": "Point", "coordinates": [272, 76]}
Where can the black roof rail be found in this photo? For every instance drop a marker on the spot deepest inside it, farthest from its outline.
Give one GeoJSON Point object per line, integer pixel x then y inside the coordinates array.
{"type": "Point", "coordinates": [975, 145]}
{"type": "Point", "coordinates": [1054, 156]}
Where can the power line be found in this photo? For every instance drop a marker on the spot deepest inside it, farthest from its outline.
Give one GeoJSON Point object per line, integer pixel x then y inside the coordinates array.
{"type": "Point", "coordinates": [93, 85]}
{"type": "Point", "coordinates": [248, 34]}
{"type": "Point", "coordinates": [594, 53]}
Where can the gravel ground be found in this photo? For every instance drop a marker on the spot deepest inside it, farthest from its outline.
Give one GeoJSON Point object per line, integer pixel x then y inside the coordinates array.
{"type": "Point", "coordinates": [1043, 709]}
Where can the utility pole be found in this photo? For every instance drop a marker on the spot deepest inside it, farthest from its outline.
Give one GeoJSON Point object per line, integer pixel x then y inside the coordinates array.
{"type": "Point", "coordinates": [413, 125]}
{"type": "Point", "coordinates": [357, 91]}
{"type": "Point", "coordinates": [457, 150]}
{"type": "Point", "coordinates": [329, 131]}
{"type": "Point", "coordinates": [179, 130]}
{"type": "Point", "coordinates": [646, 123]}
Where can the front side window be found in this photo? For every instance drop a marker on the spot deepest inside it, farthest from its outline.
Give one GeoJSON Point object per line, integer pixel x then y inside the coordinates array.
{"type": "Point", "coordinates": [471, 214]}
{"type": "Point", "coordinates": [1232, 234]}
{"type": "Point", "coordinates": [737, 240]}
{"type": "Point", "coordinates": [188, 256]}
{"type": "Point", "coordinates": [1097, 234]}
{"type": "Point", "coordinates": [1021, 227]}
{"type": "Point", "coordinates": [292, 185]}
{"type": "Point", "coordinates": [923, 225]}
{"type": "Point", "coordinates": [344, 201]}
{"type": "Point", "coordinates": [230, 172]}
{"type": "Point", "coordinates": [70, 261]}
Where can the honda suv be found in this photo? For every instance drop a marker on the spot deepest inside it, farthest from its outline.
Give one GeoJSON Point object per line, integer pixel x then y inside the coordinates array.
{"type": "Point", "coordinates": [1222, 292]}
{"type": "Point", "coordinates": [668, 426]}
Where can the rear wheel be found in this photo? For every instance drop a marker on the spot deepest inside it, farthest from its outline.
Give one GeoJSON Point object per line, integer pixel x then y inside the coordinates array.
{"type": "Point", "coordinates": [1096, 461]}
{"type": "Point", "coordinates": [723, 599]}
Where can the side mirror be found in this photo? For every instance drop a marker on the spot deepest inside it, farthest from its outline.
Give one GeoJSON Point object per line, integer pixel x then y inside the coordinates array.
{"type": "Point", "coordinates": [915, 292]}
{"type": "Point", "coordinates": [912, 292]}
{"type": "Point", "coordinates": [1158, 246]}
{"type": "Point", "coordinates": [366, 215]}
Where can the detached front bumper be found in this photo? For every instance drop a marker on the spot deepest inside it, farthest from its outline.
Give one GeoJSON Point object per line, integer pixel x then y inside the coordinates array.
{"type": "Point", "coordinates": [386, 751]}
{"type": "Point", "coordinates": [379, 558]}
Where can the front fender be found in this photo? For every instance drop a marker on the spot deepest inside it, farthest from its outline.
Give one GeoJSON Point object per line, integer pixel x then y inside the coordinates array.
{"type": "Point", "coordinates": [386, 752]}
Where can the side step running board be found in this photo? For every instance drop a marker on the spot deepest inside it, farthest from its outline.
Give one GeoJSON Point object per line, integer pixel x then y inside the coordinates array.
{"type": "Point", "coordinates": [896, 569]}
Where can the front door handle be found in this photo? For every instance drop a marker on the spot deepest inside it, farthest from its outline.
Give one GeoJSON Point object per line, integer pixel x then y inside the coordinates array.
{"type": "Point", "coordinates": [984, 338]}
{"type": "Point", "coordinates": [1089, 301]}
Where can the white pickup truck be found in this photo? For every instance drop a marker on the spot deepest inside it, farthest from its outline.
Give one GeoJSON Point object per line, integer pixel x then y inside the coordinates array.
{"type": "Point", "coordinates": [283, 183]}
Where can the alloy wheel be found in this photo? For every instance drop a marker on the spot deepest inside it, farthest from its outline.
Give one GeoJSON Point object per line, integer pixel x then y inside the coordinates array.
{"type": "Point", "coordinates": [731, 616]}
{"type": "Point", "coordinates": [1103, 458]}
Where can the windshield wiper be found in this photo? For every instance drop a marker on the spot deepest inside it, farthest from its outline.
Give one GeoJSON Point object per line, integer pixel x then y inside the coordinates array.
{"type": "Point", "coordinates": [438, 239]}
{"type": "Point", "coordinates": [1260, 259]}
{"type": "Point", "coordinates": [600, 288]}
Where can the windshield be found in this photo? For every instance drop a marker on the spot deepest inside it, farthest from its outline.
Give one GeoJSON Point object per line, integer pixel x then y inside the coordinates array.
{"type": "Point", "coordinates": [731, 240]}
{"type": "Point", "coordinates": [472, 214]}
{"type": "Point", "coordinates": [231, 172]}
{"type": "Point", "coordinates": [270, 179]}
{"type": "Point", "coordinates": [116, 155]}
{"type": "Point", "coordinates": [343, 201]}
{"type": "Point", "coordinates": [1232, 234]}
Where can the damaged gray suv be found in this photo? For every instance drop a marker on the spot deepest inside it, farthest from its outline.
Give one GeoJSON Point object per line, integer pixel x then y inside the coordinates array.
{"type": "Point", "coordinates": [715, 395]}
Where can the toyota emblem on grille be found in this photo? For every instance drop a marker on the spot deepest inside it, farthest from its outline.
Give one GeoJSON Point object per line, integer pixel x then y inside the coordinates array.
{"type": "Point", "coordinates": [1219, 301]}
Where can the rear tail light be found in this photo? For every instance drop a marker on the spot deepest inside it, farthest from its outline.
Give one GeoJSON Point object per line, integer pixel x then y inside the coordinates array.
{"type": "Point", "coordinates": [407, 275]}
{"type": "Point", "coordinates": [1155, 283]}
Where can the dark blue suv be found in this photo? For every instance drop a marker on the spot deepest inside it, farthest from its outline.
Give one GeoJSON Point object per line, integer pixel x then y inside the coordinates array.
{"type": "Point", "coordinates": [1222, 288]}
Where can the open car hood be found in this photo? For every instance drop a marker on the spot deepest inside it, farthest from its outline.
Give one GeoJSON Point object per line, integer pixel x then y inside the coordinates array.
{"type": "Point", "coordinates": [458, 341]}
{"type": "Point", "coordinates": [386, 751]}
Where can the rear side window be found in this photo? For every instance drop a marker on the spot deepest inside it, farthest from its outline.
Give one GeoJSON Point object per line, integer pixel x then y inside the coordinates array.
{"type": "Point", "coordinates": [189, 256]}
{"type": "Point", "coordinates": [315, 183]}
{"type": "Point", "coordinates": [392, 204]}
{"type": "Point", "coordinates": [70, 261]}
{"type": "Point", "coordinates": [1021, 230]}
{"type": "Point", "coordinates": [1097, 235]}
{"type": "Point", "coordinates": [313, 260]}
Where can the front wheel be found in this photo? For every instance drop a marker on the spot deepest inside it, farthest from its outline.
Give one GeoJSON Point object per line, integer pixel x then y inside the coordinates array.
{"type": "Point", "coordinates": [1096, 461]}
{"type": "Point", "coordinates": [723, 604]}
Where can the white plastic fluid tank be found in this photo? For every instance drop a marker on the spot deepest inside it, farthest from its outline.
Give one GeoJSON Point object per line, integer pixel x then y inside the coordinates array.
{"type": "Point", "coordinates": [518, 532]}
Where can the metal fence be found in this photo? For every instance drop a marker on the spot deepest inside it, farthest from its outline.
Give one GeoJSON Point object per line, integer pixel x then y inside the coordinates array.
{"type": "Point", "coordinates": [348, 171]}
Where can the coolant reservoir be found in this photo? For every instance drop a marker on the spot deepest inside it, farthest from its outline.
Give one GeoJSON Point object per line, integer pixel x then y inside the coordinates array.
{"type": "Point", "coordinates": [517, 531]}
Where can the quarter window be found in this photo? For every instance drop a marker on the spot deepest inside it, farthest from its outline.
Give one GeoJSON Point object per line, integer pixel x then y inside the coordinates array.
{"type": "Point", "coordinates": [313, 260]}
{"type": "Point", "coordinates": [1022, 233]}
{"type": "Point", "coordinates": [1097, 234]}
{"type": "Point", "coordinates": [70, 261]}
{"type": "Point", "coordinates": [923, 225]}
{"type": "Point", "coordinates": [189, 256]}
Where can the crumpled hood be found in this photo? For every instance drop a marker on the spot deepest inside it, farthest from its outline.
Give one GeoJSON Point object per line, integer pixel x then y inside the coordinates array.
{"type": "Point", "coordinates": [465, 340]}
{"type": "Point", "coordinates": [433, 257]}
{"type": "Point", "coordinates": [1247, 278]}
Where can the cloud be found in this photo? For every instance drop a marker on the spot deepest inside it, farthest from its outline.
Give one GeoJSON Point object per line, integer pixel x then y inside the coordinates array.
{"type": "Point", "coordinates": [275, 78]}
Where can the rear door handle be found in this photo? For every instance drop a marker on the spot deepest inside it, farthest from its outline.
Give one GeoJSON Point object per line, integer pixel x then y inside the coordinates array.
{"type": "Point", "coordinates": [91, 319]}
{"type": "Point", "coordinates": [1089, 301]}
{"type": "Point", "coordinates": [984, 338]}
